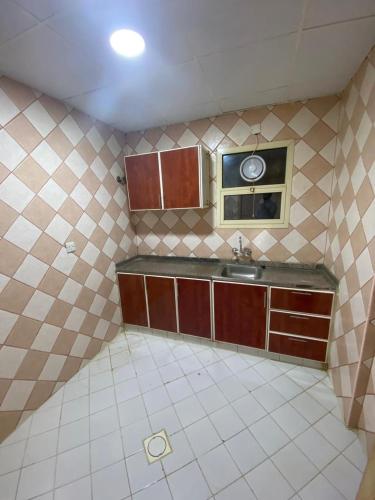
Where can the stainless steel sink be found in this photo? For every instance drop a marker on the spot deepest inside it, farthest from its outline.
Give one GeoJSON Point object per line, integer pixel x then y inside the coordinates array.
{"type": "Point", "coordinates": [242, 271]}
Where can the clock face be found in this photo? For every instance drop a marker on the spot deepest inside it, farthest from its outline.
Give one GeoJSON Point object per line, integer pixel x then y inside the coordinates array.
{"type": "Point", "coordinates": [252, 168]}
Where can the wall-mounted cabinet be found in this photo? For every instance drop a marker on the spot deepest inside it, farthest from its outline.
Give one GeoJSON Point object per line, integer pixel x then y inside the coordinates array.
{"type": "Point", "coordinates": [163, 180]}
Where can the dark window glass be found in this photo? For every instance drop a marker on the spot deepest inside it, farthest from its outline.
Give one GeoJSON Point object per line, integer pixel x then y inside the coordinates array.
{"type": "Point", "coordinates": [252, 206]}
{"type": "Point", "coordinates": [275, 168]}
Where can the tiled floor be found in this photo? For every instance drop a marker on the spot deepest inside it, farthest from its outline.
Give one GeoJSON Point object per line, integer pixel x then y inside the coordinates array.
{"type": "Point", "coordinates": [241, 427]}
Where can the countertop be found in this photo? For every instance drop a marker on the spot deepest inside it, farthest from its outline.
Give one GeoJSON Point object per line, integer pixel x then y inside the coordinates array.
{"type": "Point", "coordinates": [310, 276]}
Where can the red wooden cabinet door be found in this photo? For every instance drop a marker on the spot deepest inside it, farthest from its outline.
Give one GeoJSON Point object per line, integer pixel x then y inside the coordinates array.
{"type": "Point", "coordinates": [143, 180]}
{"type": "Point", "coordinates": [194, 307]}
{"type": "Point", "coordinates": [161, 303]}
{"type": "Point", "coordinates": [133, 299]}
{"type": "Point", "coordinates": [240, 314]}
{"type": "Point", "coordinates": [300, 347]}
{"type": "Point", "coordinates": [180, 174]}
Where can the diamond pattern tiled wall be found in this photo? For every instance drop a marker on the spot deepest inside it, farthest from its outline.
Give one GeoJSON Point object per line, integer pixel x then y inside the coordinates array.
{"type": "Point", "coordinates": [311, 124]}
{"type": "Point", "coordinates": [351, 246]}
{"type": "Point", "coordinates": [57, 183]}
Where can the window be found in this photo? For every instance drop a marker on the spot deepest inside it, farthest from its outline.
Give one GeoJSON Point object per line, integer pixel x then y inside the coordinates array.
{"type": "Point", "coordinates": [254, 185]}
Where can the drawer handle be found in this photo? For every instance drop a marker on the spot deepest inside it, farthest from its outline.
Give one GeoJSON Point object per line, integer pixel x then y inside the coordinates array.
{"type": "Point", "coordinates": [265, 300]}
{"type": "Point", "coordinates": [302, 293]}
{"type": "Point", "coordinates": [297, 340]}
{"type": "Point", "coordinates": [297, 317]}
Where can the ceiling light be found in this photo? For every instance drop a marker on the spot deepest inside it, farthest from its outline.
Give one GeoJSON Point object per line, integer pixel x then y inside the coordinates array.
{"type": "Point", "coordinates": [127, 43]}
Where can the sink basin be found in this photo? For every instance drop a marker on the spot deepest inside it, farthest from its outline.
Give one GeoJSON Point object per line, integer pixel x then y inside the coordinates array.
{"type": "Point", "coordinates": [242, 271]}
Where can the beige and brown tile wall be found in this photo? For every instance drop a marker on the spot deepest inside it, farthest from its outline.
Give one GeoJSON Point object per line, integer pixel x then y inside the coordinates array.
{"type": "Point", "coordinates": [313, 126]}
{"type": "Point", "coordinates": [57, 183]}
{"type": "Point", "coordinates": [351, 247]}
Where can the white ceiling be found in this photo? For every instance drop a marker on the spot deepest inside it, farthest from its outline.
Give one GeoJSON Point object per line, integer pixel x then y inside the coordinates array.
{"type": "Point", "coordinates": [203, 57]}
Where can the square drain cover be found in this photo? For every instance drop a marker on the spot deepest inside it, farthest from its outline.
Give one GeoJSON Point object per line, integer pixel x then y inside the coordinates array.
{"type": "Point", "coordinates": [157, 446]}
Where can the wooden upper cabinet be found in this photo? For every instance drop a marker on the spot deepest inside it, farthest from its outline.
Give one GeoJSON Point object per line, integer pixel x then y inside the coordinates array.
{"type": "Point", "coordinates": [161, 303]}
{"type": "Point", "coordinates": [180, 174]}
{"type": "Point", "coordinates": [164, 180]}
{"type": "Point", "coordinates": [133, 299]}
{"type": "Point", "coordinates": [240, 314]}
{"type": "Point", "coordinates": [194, 307]}
{"type": "Point", "coordinates": [143, 180]}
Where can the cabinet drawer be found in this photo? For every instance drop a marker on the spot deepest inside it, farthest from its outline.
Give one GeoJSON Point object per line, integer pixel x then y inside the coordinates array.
{"type": "Point", "coordinates": [302, 348]}
{"type": "Point", "coordinates": [308, 326]}
{"type": "Point", "coordinates": [302, 300]}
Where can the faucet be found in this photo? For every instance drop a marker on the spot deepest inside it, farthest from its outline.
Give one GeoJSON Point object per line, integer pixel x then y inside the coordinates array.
{"type": "Point", "coordinates": [241, 253]}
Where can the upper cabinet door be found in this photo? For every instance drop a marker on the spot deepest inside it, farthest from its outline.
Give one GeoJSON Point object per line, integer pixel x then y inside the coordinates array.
{"type": "Point", "coordinates": [143, 179]}
{"type": "Point", "coordinates": [180, 172]}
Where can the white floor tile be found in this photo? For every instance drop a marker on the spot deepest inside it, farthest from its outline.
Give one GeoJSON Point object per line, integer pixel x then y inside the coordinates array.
{"type": "Point", "coordinates": [267, 483]}
{"type": "Point", "coordinates": [76, 389]}
{"type": "Point", "coordinates": [324, 395]}
{"type": "Point", "coordinates": [105, 451]}
{"type": "Point", "coordinates": [101, 381]}
{"type": "Point", "coordinates": [171, 372]}
{"type": "Point", "coordinates": [269, 435]}
{"type": "Point", "coordinates": [79, 490]}
{"type": "Point", "coordinates": [202, 436]}
{"type": "Point", "coordinates": [245, 451]}
{"type": "Point", "coordinates": [103, 422]}
{"type": "Point", "coordinates": [249, 409]}
{"type": "Point", "coordinates": [189, 411]}
{"type": "Point", "coordinates": [72, 465]}
{"type": "Point", "coordinates": [41, 447]}
{"type": "Point", "coordinates": [188, 483]}
{"type": "Point", "coordinates": [74, 410]}
{"type": "Point", "coordinates": [141, 473]}
{"type": "Point", "coordinates": [133, 436]}
{"type": "Point", "coordinates": [111, 483]}
{"type": "Point", "coordinates": [236, 363]}
{"type": "Point", "coordinates": [11, 456]}
{"type": "Point", "coordinates": [156, 400]}
{"type": "Point", "coordinates": [8, 485]}
{"type": "Point", "coordinates": [36, 479]}
{"type": "Point", "coordinates": [250, 379]}
{"type": "Point", "coordinates": [102, 399]}
{"type": "Point", "coordinates": [335, 432]}
{"type": "Point", "coordinates": [291, 422]}
{"type": "Point", "coordinates": [159, 490]}
{"type": "Point", "coordinates": [182, 453]}
{"type": "Point", "coordinates": [149, 381]}
{"type": "Point", "coordinates": [200, 380]}
{"type": "Point", "coordinates": [316, 447]}
{"type": "Point", "coordinates": [45, 420]}
{"type": "Point", "coordinates": [268, 370]}
{"type": "Point", "coordinates": [218, 371]}
{"type": "Point", "coordinates": [238, 490]}
{"type": "Point", "coordinates": [344, 476]}
{"type": "Point", "coordinates": [73, 434]}
{"type": "Point", "coordinates": [212, 399]}
{"type": "Point", "coordinates": [132, 411]}
{"type": "Point", "coordinates": [226, 422]}
{"type": "Point", "coordinates": [218, 468]}
{"type": "Point", "coordinates": [320, 488]}
{"type": "Point", "coordinates": [286, 387]}
{"type": "Point", "coordinates": [128, 389]}
{"type": "Point", "coordinates": [166, 419]}
{"type": "Point", "coordinates": [179, 389]}
{"type": "Point", "coordinates": [294, 466]}
{"type": "Point", "coordinates": [122, 373]}
{"type": "Point", "coordinates": [356, 455]}
{"type": "Point", "coordinates": [308, 407]}
{"type": "Point", "coordinates": [190, 364]}
{"type": "Point", "coordinates": [302, 377]}
{"type": "Point", "coordinates": [232, 388]}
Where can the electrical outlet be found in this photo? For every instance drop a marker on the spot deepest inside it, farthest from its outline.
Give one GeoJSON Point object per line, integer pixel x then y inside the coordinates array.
{"type": "Point", "coordinates": [255, 129]}
{"type": "Point", "coordinates": [70, 247]}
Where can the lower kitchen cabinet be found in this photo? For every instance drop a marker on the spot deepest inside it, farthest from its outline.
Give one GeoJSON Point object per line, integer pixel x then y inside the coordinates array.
{"type": "Point", "coordinates": [298, 346]}
{"type": "Point", "coordinates": [161, 301]}
{"type": "Point", "coordinates": [194, 307]}
{"type": "Point", "coordinates": [133, 299]}
{"type": "Point", "coordinates": [240, 314]}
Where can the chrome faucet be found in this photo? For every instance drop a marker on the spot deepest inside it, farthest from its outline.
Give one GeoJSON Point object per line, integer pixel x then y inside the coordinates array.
{"type": "Point", "coordinates": [241, 253]}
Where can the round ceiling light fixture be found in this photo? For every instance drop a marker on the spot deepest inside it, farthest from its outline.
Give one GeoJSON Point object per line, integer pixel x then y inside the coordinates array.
{"type": "Point", "coordinates": [127, 43]}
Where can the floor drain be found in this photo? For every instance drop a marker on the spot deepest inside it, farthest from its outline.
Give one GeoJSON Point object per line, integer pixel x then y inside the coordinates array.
{"type": "Point", "coordinates": [157, 446]}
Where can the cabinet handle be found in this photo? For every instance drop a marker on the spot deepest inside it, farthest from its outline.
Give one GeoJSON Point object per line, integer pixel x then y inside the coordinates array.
{"type": "Point", "coordinates": [297, 317]}
{"type": "Point", "coordinates": [297, 340]}
{"type": "Point", "coordinates": [302, 293]}
{"type": "Point", "coordinates": [265, 300]}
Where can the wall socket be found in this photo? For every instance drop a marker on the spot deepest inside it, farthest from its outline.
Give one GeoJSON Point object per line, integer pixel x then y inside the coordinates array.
{"type": "Point", "coordinates": [70, 247]}
{"type": "Point", "coordinates": [255, 129]}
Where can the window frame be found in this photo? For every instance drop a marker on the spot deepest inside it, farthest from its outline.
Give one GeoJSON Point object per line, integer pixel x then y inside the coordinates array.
{"type": "Point", "coordinates": [285, 189]}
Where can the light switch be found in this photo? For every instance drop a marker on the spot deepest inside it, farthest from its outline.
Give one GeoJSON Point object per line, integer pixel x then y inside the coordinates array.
{"type": "Point", "coordinates": [70, 247]}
